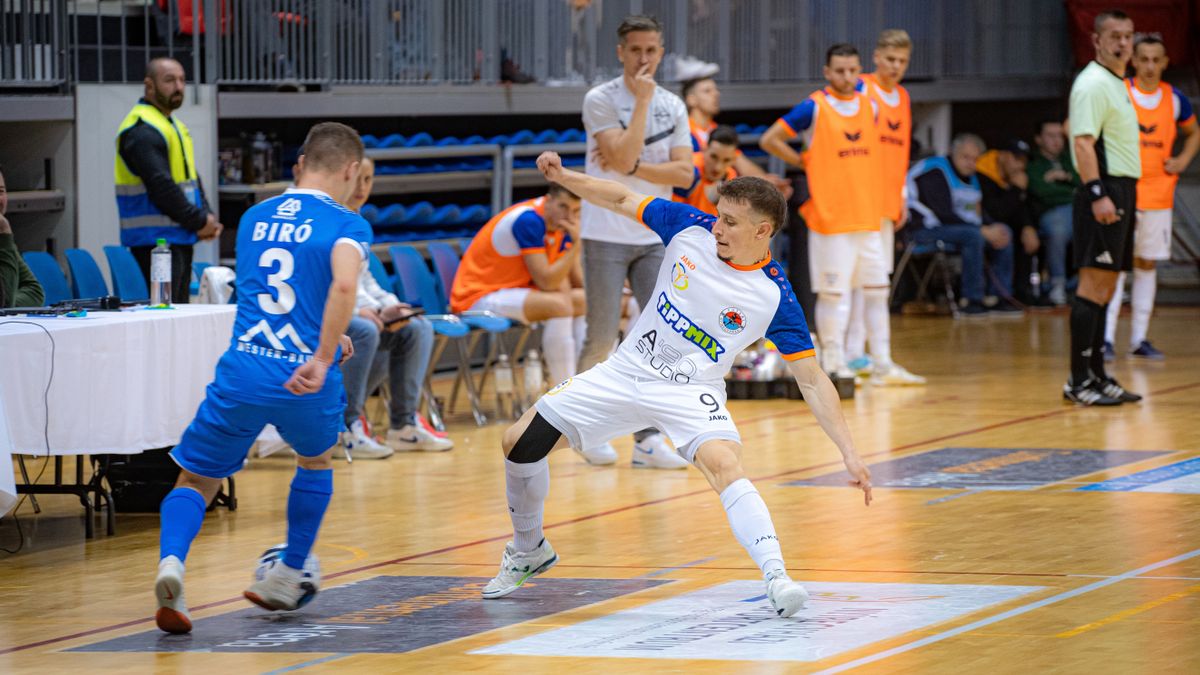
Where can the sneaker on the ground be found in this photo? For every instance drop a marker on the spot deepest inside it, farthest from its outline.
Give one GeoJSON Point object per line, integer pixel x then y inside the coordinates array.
{"type": "Point", "coordinates": [360, 444]}
{"type": "Point", "coordinates": [1113, 389]}
{"type": "Point", "coordinates": [599, 455]}
{"type": "Point", "coordinates": [1058, 295]}
{"type": "Point", "coordinates": [893, 375]}
{"type": "Point", "coordinates": [653, 452]}
{"type": "Point", "coordinates": [1110, 354]}
{"type": "Point", "coordinates": [860, 365]}
{"type": "Point", "coordinates": [517, 568]}
{"type": "Point", "coordinates": [787, 597]}
{"type": "Point", "coordinates": [842, 373]}
{"type": "Point", "coordinates": [1147, 351]}
{"type": "Point", "coordinates": [1088, 393]}
{"type": "Point", "coordinates": [973, 310]}
{"type": "Point", "coordinates": [1005, 308]}
{"type": "Point", "coordinates": [172, 615]}
{"type": "Point", "coordinates": [414, 438]}
{"type": "Point", "coordinates": [282, 589]}
{"type": "Point", "coordinates": [430, 428]}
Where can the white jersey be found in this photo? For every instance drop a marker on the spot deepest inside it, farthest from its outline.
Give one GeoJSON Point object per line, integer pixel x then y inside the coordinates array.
{"type": "Point", "coordinates": [704, 310]}
{"type": "Point", "coordinates": [610, 106]}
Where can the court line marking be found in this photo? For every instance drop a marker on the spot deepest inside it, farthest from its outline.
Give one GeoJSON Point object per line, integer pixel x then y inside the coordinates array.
{"type": "Point", "coordinates": [668, 570]}
{"type": "Point", "coordinates": [503, 537]}
{"type": "Point", "coordinates": [298, 666]}
{"type": "Point", "coordinates": [964, 493]}
{"type": "Point", "coordinates": [1125, 614]}
{"type": "Point", "coordinates": [1016, 611]}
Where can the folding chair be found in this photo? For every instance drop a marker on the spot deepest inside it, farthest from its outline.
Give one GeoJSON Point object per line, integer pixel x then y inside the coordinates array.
{"type": "Point", "coordinates": [937, 255]}
{"type": "Point", "coordinates": [86, 279]}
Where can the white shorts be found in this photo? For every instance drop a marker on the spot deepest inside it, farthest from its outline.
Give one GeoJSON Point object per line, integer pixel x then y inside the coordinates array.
{"type": "Point", "coordinates": [887, 237]}
{"type": "Point", "coordinates": [507, 302]}
{"type": "Point", "coordinates": [1152, 235]}
{"type": "Point", "coordinates": [840, 262]}
{"type": "Point", "coordinates": [603, 403]}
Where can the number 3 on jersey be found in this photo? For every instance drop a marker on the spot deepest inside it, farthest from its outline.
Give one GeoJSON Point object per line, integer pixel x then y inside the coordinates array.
{"type": "Point", "coordinates": [278, 281]}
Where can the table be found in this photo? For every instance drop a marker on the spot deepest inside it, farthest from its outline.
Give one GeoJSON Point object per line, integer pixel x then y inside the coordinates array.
{"type": "Point", "coordinates": [122, 382]}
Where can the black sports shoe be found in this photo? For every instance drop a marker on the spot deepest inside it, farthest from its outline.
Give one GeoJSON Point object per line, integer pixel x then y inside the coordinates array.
{"type": "Point", "coordinates": [1112, 389]}
{"type": "Point", "coordinates": [1005, 308]}
{"type": "Point", "coordinates": [973, 310]}
{"type": "Point", "coordinates": [1088, 393]}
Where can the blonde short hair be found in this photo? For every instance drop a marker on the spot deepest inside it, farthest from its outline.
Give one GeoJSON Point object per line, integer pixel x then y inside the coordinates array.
{"type": "Point", "coordinates": [894, 37]}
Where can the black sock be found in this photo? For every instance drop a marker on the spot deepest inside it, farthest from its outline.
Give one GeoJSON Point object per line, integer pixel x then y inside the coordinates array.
{"type": "Point", "coordinates": [1086, 318]}
{"type": "Point", "coordinates": [1096, 361]}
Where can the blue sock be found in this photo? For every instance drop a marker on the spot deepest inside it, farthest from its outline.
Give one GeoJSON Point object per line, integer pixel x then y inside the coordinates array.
{"type": "Point", "coordinates": [181, 514]}
{"type": "Point", "coordinates": [311, 490]}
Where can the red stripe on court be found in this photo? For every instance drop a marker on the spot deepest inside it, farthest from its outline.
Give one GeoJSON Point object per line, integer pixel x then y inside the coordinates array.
{"type": "Point", "coordinates": [572, 521]}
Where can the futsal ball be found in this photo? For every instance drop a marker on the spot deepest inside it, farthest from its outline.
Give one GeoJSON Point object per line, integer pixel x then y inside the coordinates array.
{"type": "Point", "coordinates": [310, 576]}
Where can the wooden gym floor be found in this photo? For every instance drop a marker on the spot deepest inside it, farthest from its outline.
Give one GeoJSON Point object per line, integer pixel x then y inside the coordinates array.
{"type": "Point", "coordinates": [984, 554]}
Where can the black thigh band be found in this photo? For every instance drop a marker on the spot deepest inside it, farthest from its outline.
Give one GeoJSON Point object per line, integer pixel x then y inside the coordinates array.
{"type": "Point", "coordinates": [536, 442]}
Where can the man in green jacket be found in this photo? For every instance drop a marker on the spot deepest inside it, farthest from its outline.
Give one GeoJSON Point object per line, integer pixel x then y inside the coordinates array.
{"type": "Point", "coordinates": [18, 286]}
{"type": "Point", "coordinates": [1052, 181]}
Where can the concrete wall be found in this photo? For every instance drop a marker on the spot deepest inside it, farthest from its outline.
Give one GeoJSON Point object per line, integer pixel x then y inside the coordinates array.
{"type": "Point", "coordinates": [99, 109]}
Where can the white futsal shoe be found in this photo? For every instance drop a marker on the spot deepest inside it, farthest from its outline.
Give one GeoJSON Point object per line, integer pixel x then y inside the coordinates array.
{"type": "Point", "coordinates": [653, 452]}
{"type": "Point", "coordinates": [360, 444]}
{"type": "Point", "coordinates": [787, 597]}
{"type": "Point", "coordinates": [517, 568]}
{"type": "Point", "coordinates": [893, 375]}
{"type": "Point", "coordinates": [416, 438]}
{"type": "Point", "coordinates": [172, 615]}
{"type": "Point", "coordinates": [282, 589]}
{"type": "Point", "coordinates": [599, 455]}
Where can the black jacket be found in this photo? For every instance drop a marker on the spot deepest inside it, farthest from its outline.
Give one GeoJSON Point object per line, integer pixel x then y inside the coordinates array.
{"type": "Point", "coordinates": [145, 153]}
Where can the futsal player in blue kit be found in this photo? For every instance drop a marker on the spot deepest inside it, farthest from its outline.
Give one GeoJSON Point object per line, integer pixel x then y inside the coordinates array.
{"type": "Point", "coordinates": [298, 261]}
{"type": "Point", "coordinates": [718, 292]}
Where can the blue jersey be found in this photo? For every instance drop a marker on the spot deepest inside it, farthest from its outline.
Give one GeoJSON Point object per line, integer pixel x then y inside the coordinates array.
{"type": "Point", "coordinates": [284, 270]}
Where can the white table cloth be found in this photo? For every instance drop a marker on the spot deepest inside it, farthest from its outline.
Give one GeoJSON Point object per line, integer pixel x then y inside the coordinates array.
{"type": "Point", "coordinates": [123, 381]}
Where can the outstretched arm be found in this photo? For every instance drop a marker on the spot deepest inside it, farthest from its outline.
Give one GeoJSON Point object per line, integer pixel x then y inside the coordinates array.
{"type": "Point", "coordinates": [606, 193]}
{"type": "Point", "coordinates": [823, 400]}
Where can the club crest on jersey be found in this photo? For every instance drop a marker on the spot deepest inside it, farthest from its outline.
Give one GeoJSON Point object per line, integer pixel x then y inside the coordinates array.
{"type": "Point", "coordinates": [733, 320]}
{"type": "Point", "coordinates": [679, 277]}
{"type": "Point", "coordinates": [690, 331]}
{"type": "Point", "coordinates": [289, 208]}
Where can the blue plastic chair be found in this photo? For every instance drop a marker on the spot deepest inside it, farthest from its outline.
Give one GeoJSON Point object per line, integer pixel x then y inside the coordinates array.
{"type": "Point", "coordinates": [49, 275]}
{"type": "Point", "coordinates": [377, 270]}
{"type": "Point", "coordinates": [418, 214]}
{"type": "Point", "coordinates": [127, 280]}
{"type": "Point", "coordinates": [197, 275]}
{"type": "Point", "coordinates": [936, 254]}
{"type": "Point", "coordinates": [391, 215]}
{"type": "Point", "coordinates": [546, 136]}
{"type": "Point", "coordinates": [418, 140]}
{"type": "Point", "coordinates": [445, 215]}
{"type": "Point", "coordinates": [476, 214]}
{"type": "Point", "coordinates": [572, 136]}
{"type": "Point", "coordinates": [86, 279]}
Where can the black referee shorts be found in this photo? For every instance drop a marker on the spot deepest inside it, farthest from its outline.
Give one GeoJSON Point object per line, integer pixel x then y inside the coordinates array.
{"type": "Point", "coordinates": [1106, 247]}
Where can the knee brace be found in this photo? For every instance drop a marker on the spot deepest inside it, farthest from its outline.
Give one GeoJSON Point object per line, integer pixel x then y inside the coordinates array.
{"type": "Point", "coordinates": [535, 442]}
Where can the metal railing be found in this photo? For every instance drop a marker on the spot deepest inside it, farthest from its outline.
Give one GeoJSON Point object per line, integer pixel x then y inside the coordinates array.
{"type": "Point", "coordinates": [276, 42]}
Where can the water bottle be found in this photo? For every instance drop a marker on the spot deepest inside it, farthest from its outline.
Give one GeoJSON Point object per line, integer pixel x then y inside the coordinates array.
{"type": "Point", "coordinates": [160, 274]}
{"type": "Point", "coordinates": [504, 385]}
{"type": "Point", "coordinates": [534, 377]}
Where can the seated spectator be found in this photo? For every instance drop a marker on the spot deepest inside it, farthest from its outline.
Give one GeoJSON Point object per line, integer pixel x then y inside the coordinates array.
{"type": "Point", "coordinates": [524, 264]}
{"type": "Point", "coordinates": [1003, 181]}
{"type": "Point", "coordinates": [1052, 181]}
{"type": "Point", "coordinates": [18, 286]}
{"type": "Point", "coordinates": [944, 199]}
{"type": "Point", "coordinates": [399, 352]}
{"type": "Point", "coordinates": [714, 165]}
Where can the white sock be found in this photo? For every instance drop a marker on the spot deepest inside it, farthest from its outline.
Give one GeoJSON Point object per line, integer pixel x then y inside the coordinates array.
{"type": "Point", "coordinates": [558, 346]}
{"type": "Point", "coordinates": [1141, 299]}
{"type": "Point", "coordinates": [751, 524]}
{"type": "Point", "coordinates": [1114, 311]}
{"type": "Point", "coordinates": [527, 487]}
{"type": "Point", "coordinates": [856, 330]}
{"type": "Point", "coordinates": [833, 313]}
{"type": "Point", "coordinates": [579, 330]}
{"type": "Point", "coordinates": [879, 326]}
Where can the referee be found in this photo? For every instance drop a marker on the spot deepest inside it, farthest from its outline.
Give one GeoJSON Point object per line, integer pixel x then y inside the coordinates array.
{"type": "Point", "coordinates": [1104, 135]}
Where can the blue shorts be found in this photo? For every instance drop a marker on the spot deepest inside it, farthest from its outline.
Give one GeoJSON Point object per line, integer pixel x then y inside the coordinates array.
{"type": "Point", "coordinates": [215, 444]}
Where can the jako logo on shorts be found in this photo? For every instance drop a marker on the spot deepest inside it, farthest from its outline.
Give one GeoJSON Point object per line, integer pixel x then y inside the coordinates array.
{"type": "Point", "coordinates": [689, 330]}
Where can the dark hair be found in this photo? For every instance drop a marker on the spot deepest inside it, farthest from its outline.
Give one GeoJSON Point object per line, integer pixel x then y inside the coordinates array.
{"type": "Point", "coordinates": [1106, 15]}
{"type": "Point", "coordinates": [761, 196]}
{"type": "Point", "coordinates": [635, 23]}
{"type": "Point", "coordinates": [331, 145]}
{"type": "Point", "coordinates": [1149, 39]}
{"type": "Point", "coordinates": [557, 190]}
{"type": "Point", "coordinates": [1041, 125]}
{"type": "Point", "coordinates": [840, 49]}
{"type": "Point", "coordinates": [725, 135]}
{"type": "Point", "coordinates": [691, 84]}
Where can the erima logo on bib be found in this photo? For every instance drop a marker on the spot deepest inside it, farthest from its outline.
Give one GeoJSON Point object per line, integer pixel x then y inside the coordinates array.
{"type": "Point", "coordinates": [689, 330]}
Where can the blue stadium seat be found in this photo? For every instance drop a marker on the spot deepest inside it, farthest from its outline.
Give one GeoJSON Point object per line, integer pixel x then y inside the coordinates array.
{"type": "Point", "coordinates": [419, 140]}
{"type": "Point", "coordinates": [572, 136]}
{"type": "Point", "coordinates": [393, 141]}
{"type": "Point", "coordinates": [49, 275]}
{"type": "Point", "coordinates": [127, 280]}
{"type": "Point", "coordinates": [418, 214]}
{"type": "Point", "coordinates": [86, 279]}
{"type": "Point", "coordinates": [377, 270]}
{"type": "Point", "coordinates": [474, 214]}
{"type": "Point", "coordinates": [391, 215]}
{"type": "Point", "coordinates": [370, 141]}
{"type": "Point", "coordinates": [445, 215]}
{"type": "Point", "coordinates": [546, 136]}
{"type": "Point", "coordinates": [447, 141]}
{"type": "Point", "coordinates": [522, 137]}
{"type": "Point", "coordinates": [474, 140]}
{"type": "Point", "coordinates": [499, 139]}
{"type": "Point", "coordinates": [370, 213]}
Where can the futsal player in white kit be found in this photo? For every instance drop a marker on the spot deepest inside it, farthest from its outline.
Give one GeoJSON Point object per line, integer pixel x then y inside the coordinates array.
{"type": "Point", "coordinates": [718, 292]}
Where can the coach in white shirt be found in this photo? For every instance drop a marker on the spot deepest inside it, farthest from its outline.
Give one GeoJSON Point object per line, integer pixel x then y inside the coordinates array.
{"type": "Point", "coordinates": [637, 135]}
